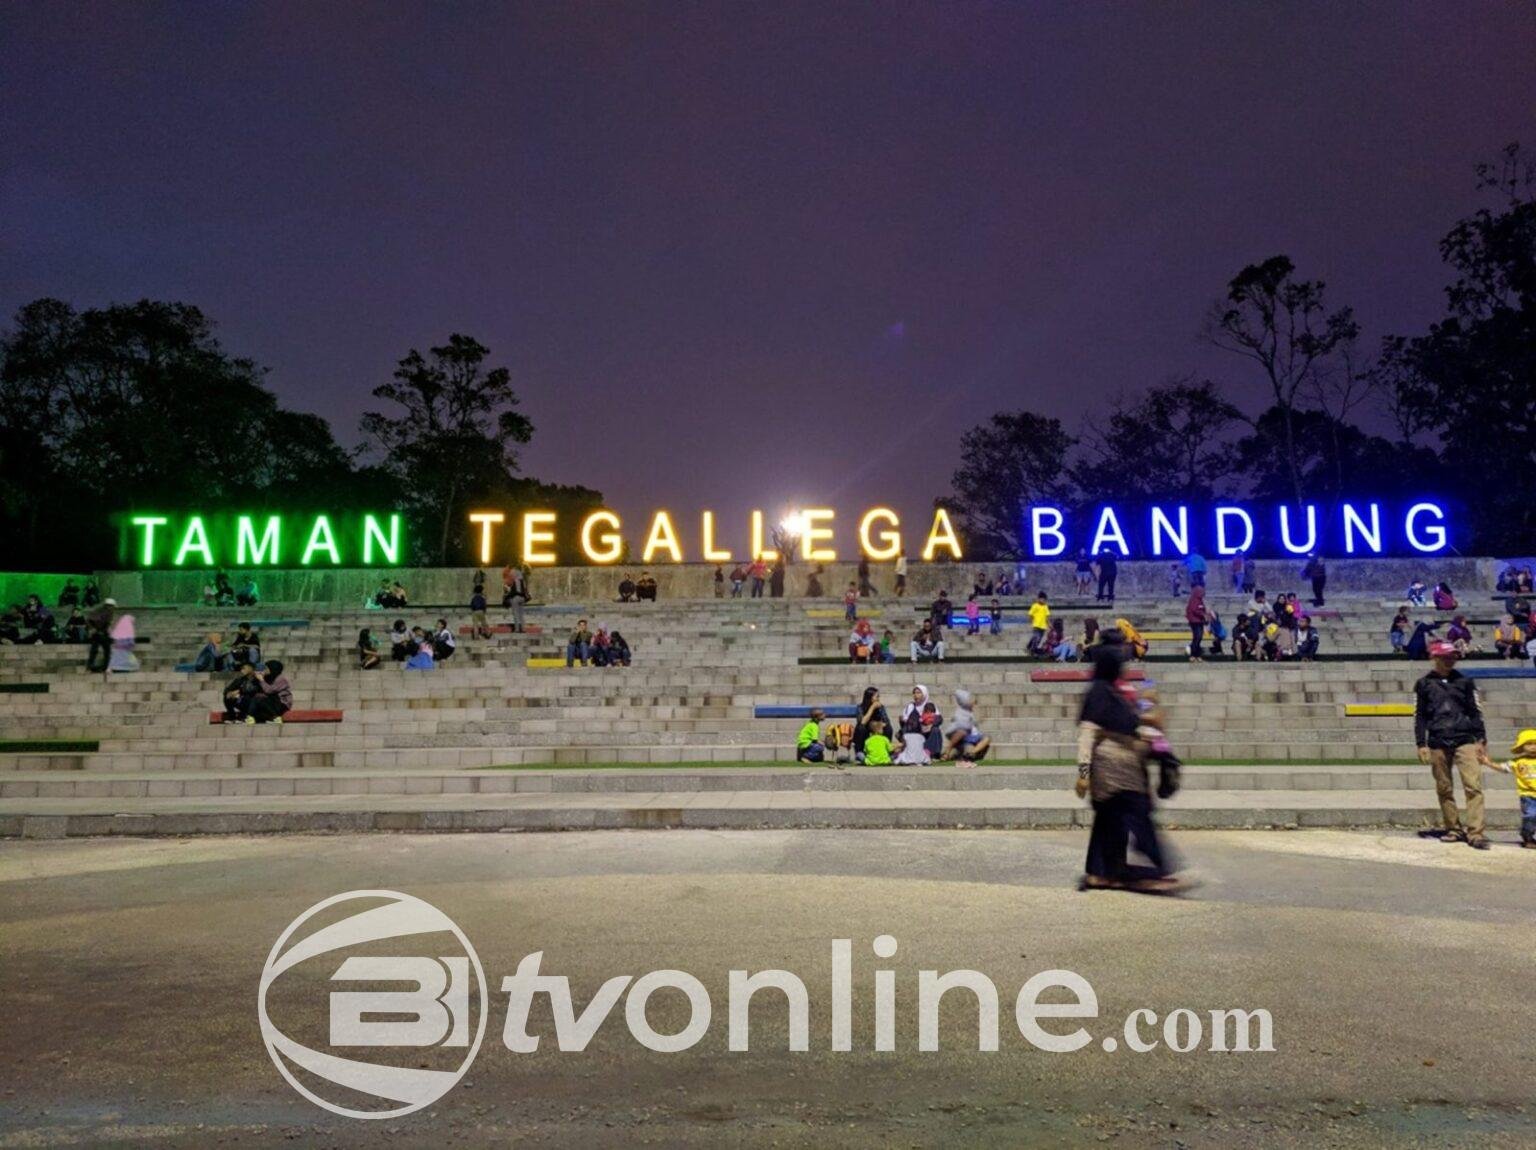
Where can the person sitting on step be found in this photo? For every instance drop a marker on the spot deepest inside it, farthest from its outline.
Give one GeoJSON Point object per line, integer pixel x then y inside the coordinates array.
{"type": "Point", "coordinates": [239, 693]}
{"type": "Point", "coordinates": [443, 642]}
{"type": "Point", "coordinates": [211, 657]}
{"type": "Point", "coordinates": [273, 698]}
{"type": "Point", "coordinates": [367, 650]}
{"type": "Point", "coordinates": [579, 646]}
{"type": "Point", "coordinates": [400, 641]}
{"type": "Point", "coordinates": [808, 745]}
{"type": "Point", "coordinates": [245, 647]}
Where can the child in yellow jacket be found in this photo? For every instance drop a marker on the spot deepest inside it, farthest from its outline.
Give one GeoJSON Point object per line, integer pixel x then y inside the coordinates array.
{"type": "Point", "coordinates": [1523, 767]}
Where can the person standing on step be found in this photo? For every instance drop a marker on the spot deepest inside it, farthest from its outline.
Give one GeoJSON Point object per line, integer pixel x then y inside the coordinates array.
{"type": "Point", "coordinates": [1194, 563]}
{"type": "Point", "coordinates": [901, 572]}
{"type": "Point", "coordinates": [866, 588]}
{"type": "Point", "coordinates": [98, 630]}
{"type": "Point", "coordinates": [1317, 571]}
{"type": "Point", "coordinates": [1194, 615]}
{"type": "Point", "coordinates": [1109, 571]}
{"type": "Point", "coordinates": [1449, 733]}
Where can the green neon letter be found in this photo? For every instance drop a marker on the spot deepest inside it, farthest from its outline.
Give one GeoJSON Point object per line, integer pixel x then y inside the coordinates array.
{"type": "Point", "coordinates": [248, 552]}
{"type": "Point", "coordinates": [149, 523]}
{"type": "Point", "coordinates": [391, 546]}
{"type": "Point", "coordinates": [321, 539]}
{"type": "Point", "coordinates": [194, 539]}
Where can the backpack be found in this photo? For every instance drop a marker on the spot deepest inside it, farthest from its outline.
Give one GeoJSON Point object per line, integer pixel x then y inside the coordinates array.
{"type": "Point", "coordinates": [838, 735]}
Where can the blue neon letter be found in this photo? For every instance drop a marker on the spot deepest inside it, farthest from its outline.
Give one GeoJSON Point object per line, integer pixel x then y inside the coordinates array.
{"type": "Point", "coordinates": [1371, 534]}
{"type": "Point", "coordinates": [1285, 531]}
{"type": "Point", "coordinates": [1108, 530]}
{"type": "Point", "coordinates": [1222, 513]}
{"type": "Point", "coordinates": [1435, 533]}
{"type": "Point", "coordinates": [1178, 537]}
{"type": "Point", "coordinates": [1046, 521]}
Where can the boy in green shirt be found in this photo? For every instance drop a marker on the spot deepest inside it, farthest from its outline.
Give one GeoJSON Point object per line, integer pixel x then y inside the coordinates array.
{"type": "Point", "coordinates": [808, 748]}
{"type": "Point", "coordinates": [877, 745]}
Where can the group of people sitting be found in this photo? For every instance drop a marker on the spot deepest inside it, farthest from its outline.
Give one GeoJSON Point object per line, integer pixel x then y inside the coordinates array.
{"type": "Point", "coordinates": [1510, 638]}
{"type": "Point", "coordinates": [244, 647]}
{"type": "Point", "coordinates": [1515, 581]}
{"type": "Point", "coordinates": [391, 596]}
{"type": "Point", "coordinates": [921, 737]}
{"type": "Point", "coordinates": [418, 648]}
{"type": "Point", "coordinates": [640, 590]}
{"type": "Point", "coordinates": [600, 648]}
{"type": "Point", "coordinates": [222, 593]}
{"type": "Point", "coordinates": [1272, 632]}
{"type": "Point", "coordinates": [258, 696]}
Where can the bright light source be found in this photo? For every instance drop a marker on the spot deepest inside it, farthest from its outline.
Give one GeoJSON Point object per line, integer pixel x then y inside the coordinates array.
{"type": "Point", "coordinates": [793, 524]}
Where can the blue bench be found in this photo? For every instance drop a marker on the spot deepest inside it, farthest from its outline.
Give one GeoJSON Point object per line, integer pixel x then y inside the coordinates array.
{"type": "Point", "coordinates": [1500, 672]}
{"type": "Point", "coordinates": [803, 711]}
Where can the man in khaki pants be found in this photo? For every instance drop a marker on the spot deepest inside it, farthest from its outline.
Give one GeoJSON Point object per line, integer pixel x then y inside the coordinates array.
{"type": "Point", "coordinates": [1448, 730]}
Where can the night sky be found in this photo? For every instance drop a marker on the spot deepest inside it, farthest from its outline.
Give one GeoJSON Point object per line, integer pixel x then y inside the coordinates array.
{"type": "Point", "coordinates": [746, 255]}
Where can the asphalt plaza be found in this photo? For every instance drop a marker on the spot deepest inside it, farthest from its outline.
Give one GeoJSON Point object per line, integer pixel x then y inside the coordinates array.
{"type": "Point", "coordinates": [1392, 967]}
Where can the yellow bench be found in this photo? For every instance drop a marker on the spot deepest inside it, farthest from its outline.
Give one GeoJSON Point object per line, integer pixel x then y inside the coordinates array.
{"type": "Point", "coordinates": [1358, 709]}
{"type": "Point", "coordinates": [545, 661]}
{"type": "Point", "coordinates": [1150, 635]}
{"type": "Point", "coordinates": [830, 613]}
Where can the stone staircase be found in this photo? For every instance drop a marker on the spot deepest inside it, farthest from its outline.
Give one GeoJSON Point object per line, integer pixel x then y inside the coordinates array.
{"type": "Point", "coordinates": [678, 728]}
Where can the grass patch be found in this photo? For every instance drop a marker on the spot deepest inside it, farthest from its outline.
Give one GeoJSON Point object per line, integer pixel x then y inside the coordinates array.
{"type": "Point", "coordinates": [48, 746]}
{"type": "Point", "coordinates": [1023, 764]}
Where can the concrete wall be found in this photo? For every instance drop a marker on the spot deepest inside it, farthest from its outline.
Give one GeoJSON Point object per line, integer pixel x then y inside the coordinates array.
{"type": "Point", "coordinates": [1386, 577]}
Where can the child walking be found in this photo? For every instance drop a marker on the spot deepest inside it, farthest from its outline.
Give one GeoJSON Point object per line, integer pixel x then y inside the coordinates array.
{"type": "Point", "coordinates": [1523, 767]}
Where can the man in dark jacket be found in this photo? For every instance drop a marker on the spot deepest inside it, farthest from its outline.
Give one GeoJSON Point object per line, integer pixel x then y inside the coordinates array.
{"type": "Point", "coordinates": [98, 632]}
{"type": "Point", "coordinates": [1109, 571]}
{"type": "Point", "coordinates": [1448, 730]}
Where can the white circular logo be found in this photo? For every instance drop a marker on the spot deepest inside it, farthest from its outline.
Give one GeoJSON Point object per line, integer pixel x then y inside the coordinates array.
{"type": "Point", "coordinates": [429, 1021]}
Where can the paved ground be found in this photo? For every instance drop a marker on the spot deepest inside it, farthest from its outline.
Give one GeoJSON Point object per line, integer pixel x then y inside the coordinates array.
{"type": "Point", "coordinates": [1397, 971]}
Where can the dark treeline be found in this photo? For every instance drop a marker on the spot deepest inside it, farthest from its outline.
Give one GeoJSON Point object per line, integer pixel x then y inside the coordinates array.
{"type": "Point", "coordinates": [1449, 412]}
{"type": "Point", "coordinates": [137, 408]}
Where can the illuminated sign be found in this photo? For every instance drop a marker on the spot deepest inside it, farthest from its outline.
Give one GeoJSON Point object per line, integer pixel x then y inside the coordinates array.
{"type": "Point", "coordinates": [535, 538]}
{"type": "Point", "coordinates": [1225, 529]}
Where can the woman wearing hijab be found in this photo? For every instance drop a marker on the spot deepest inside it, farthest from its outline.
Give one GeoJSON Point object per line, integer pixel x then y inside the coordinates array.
{"type": "Point", "coordinates": [274, 696]}
{"type": "Point", "coordinates": [618, 650]}
{"type": "Point", "coordinates": [921, 717]}
{"type": "Point", "coordinates": [870, 709]}
{"type": "Point", "coordinates": [123, 659]}
{"type": "Point", "coordinates": [1111, 758]}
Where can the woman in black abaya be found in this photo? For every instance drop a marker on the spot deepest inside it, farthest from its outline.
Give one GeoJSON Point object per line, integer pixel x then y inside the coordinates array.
{"type": "Point", "coordinates": [1112, 768]}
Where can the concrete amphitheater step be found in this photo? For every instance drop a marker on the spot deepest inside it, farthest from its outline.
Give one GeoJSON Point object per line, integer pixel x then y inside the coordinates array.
{"type": "Point", "coordinates": [786, 778]}
{"type": "Point", "coordinates": [1000, 809]}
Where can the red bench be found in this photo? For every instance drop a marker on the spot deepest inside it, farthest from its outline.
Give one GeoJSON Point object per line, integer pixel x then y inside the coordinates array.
{"type": "Point", "coordinates": [217, 717]}
{"type": "Point", "coordinates": [503, 629]}
{"type": "Point", "coordinates": [1077, 675]}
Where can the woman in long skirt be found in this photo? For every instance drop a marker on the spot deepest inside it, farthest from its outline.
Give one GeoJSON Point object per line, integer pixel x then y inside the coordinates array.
{"type": "Point", "coordinates": [123, 659]}
{"type": "Point", "coordinates": [1112, 768]}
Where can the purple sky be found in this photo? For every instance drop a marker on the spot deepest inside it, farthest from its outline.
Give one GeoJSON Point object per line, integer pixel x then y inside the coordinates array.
{"type": "Point", "coordinates": [741, 255]}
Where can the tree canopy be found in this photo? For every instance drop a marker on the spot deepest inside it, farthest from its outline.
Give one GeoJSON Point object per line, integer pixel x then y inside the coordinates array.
{"type": "Point", "coordinates": [1451, 411]}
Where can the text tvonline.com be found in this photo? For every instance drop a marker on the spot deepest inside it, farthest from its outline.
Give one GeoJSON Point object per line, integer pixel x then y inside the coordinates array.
{"type": "Point", "coordinates": [1183, 1030]}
